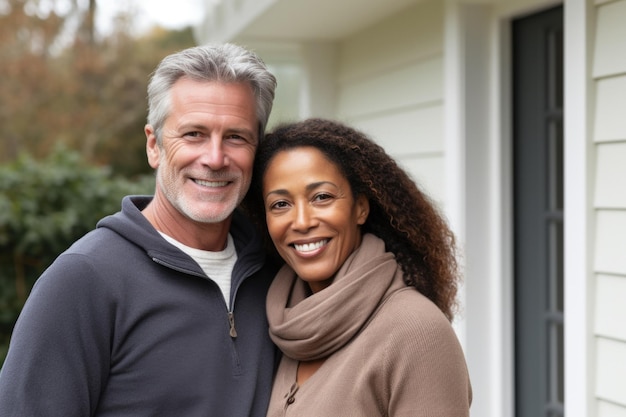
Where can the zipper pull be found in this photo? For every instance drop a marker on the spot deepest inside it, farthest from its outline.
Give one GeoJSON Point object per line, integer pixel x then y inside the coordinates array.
{"type": "Point", "coordinates": [231, 322]}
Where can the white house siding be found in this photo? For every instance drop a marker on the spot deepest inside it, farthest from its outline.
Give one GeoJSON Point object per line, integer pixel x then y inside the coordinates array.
{"type": "Point", "coordinates": [390, 85]}
{"type": "Point", "coordinates": [609, 265]}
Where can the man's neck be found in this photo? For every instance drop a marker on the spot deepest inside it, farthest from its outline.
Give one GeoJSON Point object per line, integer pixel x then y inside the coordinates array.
{"type": "Point", "coordinates": [205, 236]}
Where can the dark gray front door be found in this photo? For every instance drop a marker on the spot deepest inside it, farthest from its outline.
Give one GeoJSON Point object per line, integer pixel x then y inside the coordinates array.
{"type": "Point", "coordinates": [538, 212]}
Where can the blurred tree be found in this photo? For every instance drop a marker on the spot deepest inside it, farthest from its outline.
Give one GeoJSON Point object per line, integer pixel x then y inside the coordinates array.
{"type": "Point", "coordinates": [61, 82]}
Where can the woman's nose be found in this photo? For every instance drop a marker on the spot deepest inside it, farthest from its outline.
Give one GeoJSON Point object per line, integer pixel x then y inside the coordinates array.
{"type": "Point", "coordinates": [304, 218]}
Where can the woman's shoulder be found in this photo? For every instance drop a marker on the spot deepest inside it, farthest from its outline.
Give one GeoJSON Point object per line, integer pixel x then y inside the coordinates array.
{"type": "Point", "coordinates": [408, 313]}
{"type": "Point", "coordinates": [410, 301]}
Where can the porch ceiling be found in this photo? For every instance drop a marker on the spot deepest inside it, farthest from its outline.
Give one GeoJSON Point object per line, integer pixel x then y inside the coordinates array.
{"type": "Point", "coordinates": [319, 19]}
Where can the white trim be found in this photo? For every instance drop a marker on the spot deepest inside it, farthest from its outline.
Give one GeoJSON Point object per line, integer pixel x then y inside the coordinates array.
{"type": "Point", "coordinates": [454, 128]}
{"type": "Point", "coordinates": [477, 200]}
{"type": "Point", "coordinates": [502, 202]}
{"type": "Point", "coordinates": [578, 289]}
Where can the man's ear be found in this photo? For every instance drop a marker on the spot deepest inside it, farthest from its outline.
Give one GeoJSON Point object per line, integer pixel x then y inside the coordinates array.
{"type": "Point", "coordinates": [362, 209]}
{"type": "Point", "coordinates": [153, 151]}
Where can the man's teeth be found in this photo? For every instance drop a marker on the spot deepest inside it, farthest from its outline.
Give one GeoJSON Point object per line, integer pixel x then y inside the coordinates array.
{"type": "Point", "coordinates": [308, 247]}
{"type": "Point", "coordinates": [211, 183]}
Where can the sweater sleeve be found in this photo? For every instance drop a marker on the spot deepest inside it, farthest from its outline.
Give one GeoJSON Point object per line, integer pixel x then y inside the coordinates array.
{"type": "Point", "coordinates": [425, 366]}
{"type": "Point", "coordinates": [59, 357]}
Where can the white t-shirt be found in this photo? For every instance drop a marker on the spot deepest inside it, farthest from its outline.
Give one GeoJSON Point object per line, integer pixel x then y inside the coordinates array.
{"type": "Point", "coordinates": [217, 265]}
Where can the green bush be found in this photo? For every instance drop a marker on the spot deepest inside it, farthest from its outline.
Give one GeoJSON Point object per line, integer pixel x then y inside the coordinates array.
{"type": "Point", "coordinates": [44, 207]}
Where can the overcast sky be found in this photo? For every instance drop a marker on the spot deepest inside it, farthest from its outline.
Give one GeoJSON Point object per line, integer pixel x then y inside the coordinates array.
{"type": "Point", "coordinates": [173, 14]}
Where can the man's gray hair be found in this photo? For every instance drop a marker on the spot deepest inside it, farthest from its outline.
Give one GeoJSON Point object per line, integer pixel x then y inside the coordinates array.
{"type": "Point", "coordinates": [227, 63]}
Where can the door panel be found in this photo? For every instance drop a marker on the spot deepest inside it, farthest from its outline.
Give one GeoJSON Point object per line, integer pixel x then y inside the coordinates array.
{"type": "Point", "coordinates": [538, 212]}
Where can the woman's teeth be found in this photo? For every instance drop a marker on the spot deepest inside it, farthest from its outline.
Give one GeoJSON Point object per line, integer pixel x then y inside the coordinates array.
{"type": "Point", "coordinates": [308, 247]}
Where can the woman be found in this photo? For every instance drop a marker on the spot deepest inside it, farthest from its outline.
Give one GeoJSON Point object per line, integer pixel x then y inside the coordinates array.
{"type": "Point", "coordinates": [362, 308]}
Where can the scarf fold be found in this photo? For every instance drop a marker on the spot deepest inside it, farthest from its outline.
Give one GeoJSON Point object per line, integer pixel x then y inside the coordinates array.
{"type": "Point", "coordinates": [314, 327]}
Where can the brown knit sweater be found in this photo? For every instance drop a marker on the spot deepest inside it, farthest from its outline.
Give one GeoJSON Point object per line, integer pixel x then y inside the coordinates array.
{"type": "Point", "coordinates": [391, 351]}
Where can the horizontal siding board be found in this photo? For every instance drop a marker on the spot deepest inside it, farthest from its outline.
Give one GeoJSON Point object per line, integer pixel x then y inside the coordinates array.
{"type": "Point", "coordinates": [413, 34]}
{"type": "Point", "coordinates": [611, 304]}
{"type": "Point", "coordinates": [611, 370]}
{"type": "Point", "coordinates": [611, 169]}
{"type": "Point", "coordinates": [610, 39]}
{"type": "Point", "coordinates": [412, 85]}
{"type": "Point", "coordinates": [416, 130]}
{"type": "Point", "coordinates": [610, 242]}
{"type": "Point", "coordinates": [610, 123]}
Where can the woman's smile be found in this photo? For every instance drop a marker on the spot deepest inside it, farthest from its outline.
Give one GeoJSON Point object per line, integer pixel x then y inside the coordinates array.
{"type": "Point", "coordinates": [310, 247]}
{"type": "Point", "coordinates": [312, 215]}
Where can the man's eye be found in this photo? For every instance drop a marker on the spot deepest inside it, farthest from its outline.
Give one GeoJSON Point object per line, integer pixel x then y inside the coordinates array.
{"type": "Point", "coordinates": [192, 134]}
{"type": "Point", "coordinates": [236, 138]}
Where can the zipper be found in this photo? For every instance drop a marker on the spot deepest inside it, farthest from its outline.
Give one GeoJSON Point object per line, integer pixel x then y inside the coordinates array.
{"type": "Point", "coordinates": [231, 316]}
{"type": "Point", "coordinates": [231, 324]}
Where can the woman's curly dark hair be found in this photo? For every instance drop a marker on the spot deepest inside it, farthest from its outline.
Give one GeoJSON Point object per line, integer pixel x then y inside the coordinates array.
{"type": "Point", "coordinates": [400, 213]}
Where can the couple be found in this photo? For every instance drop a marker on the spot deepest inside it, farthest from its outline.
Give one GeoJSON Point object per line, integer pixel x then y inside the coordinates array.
{"type": "Point", "coordinates": [161, 310]}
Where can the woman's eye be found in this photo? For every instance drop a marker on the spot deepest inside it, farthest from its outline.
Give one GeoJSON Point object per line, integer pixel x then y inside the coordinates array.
{"type": "Point", "coordinates": [322, 197]}
{"type": "Point", "coordinates": [278, 205]}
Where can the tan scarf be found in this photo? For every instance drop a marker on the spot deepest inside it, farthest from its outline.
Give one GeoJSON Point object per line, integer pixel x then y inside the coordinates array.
{"type": "Point", "coordinates": [313, 327]}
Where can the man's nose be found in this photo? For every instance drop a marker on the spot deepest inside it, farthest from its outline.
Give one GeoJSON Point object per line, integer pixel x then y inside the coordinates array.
{"type": "Point", "coordinates": [213, 154]}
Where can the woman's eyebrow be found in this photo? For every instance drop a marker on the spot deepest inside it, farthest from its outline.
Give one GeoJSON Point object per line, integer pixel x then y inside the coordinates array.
{"type": "Point", "coordinates": [309, 187]}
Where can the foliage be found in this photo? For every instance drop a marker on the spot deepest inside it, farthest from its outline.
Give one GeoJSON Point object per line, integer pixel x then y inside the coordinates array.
{"type": "Point", "coordinates": [61, 82]}
{"type": "Point", "coordinates": [44, 207]}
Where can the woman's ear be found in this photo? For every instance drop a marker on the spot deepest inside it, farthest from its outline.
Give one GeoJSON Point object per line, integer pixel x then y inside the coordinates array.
{"type": "Point", "coordinates": [362, 209]}
{"type": "Point", "coordinates": [153, 151]}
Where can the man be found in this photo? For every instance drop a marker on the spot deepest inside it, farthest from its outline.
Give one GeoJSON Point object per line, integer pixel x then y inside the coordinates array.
{"type": "Point", "coordinates": [160, 311]}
